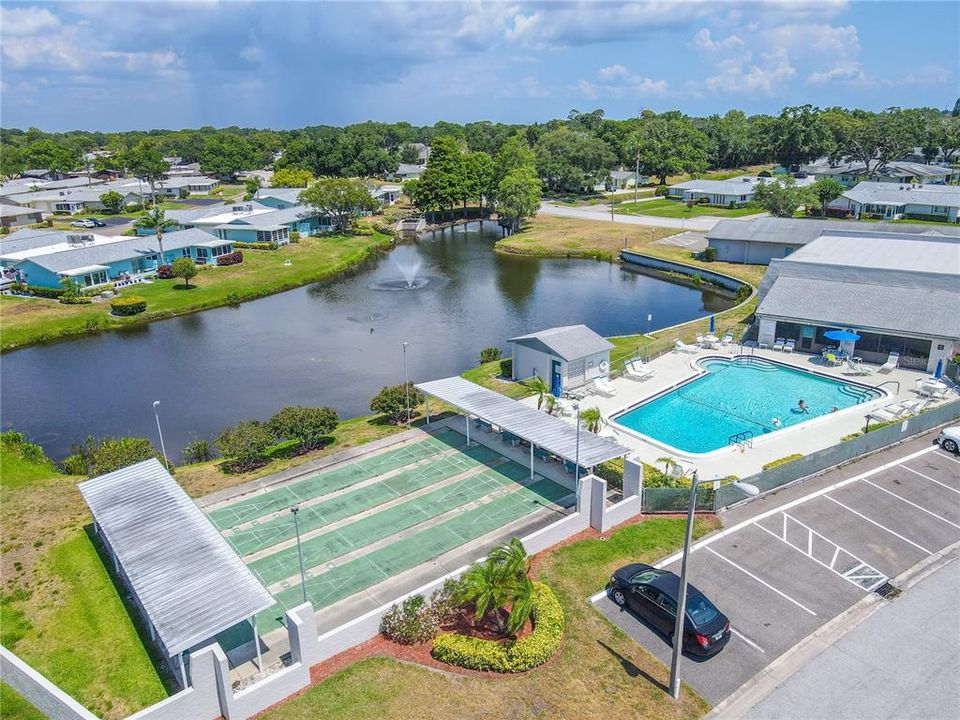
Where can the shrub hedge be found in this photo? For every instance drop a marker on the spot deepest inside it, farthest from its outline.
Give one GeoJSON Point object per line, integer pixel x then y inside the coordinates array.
{"type": "Point", "coordinates": [782, 461]}
{"type": "Point", "coordinates": [128, 305]}
{"type": "Point", "coordinates": [509, 657]}
{"type": "Point", "coordinates": [233, 258]}
{"type": "Point", "coordinates": [44, 292]}
{"type": "Point", "coordinates": [255, 245]}
{"type": "Point", "coordinates": [165, 272]}
{"type": "Point", "coordinates": [283, 449]}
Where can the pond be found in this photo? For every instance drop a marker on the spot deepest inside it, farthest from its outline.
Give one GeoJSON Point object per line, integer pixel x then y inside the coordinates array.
{"type": "Point", "coordinates": [334, 343]}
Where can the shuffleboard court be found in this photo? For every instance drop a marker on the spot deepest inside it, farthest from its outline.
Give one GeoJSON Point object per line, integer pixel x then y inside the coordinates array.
{"type": "Point", "coordinates": [283, 564]}
{"type": "Point", "coordinates": [332, 480]}
{"type": "Point", "coordinates": [342, 581]}
{"type": "Point", "coordinates": [312, 517]}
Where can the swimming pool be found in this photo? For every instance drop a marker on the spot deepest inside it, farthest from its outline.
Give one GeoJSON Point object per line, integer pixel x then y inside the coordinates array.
{"type": "Point", "coordinates": [739, 395]}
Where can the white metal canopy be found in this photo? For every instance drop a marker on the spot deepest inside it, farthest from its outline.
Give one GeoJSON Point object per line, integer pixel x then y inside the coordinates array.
{"type": "Point", "coordinates": [536, 427]}
{"type": "Point", "coordinates": [188, 580]}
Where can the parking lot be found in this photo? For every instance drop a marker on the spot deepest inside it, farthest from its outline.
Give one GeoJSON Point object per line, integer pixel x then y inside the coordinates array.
{"type": "Point", "coordinates": [788, 563]}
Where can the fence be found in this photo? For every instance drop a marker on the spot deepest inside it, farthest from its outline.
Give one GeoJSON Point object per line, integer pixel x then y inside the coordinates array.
{"type": "Point", "coordinates": [660, 500]}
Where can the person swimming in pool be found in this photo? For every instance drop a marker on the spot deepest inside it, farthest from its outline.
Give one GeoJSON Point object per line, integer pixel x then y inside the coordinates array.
{"type": "Point", "coordinates": [802, 405]}
{"type": "Point", "coordinates": [776, 422]}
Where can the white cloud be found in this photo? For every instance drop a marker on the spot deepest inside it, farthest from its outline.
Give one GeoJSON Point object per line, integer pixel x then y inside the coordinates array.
{"type": "Point", "coordinates": [532, 88]}
{"type": "Point", "coordinates": [27, 21]}
{"type": "Point", "coordinates": [741, 75]}
{"type": "Point", "coordinates": [843, 72]}
{"type": "Point", "coordinates": [618, 81]}
{"type": "Point", "coordinates": [704, 42]}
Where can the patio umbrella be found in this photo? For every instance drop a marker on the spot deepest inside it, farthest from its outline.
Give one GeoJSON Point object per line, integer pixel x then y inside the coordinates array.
{"type": "Point", "coordinates": [713, 323]}
{"type": "Point", "coordinates": [938, 373]}
{"type": "Point", "coordinates": [846, 338]}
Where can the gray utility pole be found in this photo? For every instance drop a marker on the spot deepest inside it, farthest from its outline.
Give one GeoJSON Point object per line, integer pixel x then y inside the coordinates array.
{"type": "Point", "coordinates": [303, 576]}
{"type": "Point", "coordinates": [156, 414]}
{"type": "Point", "coordinates": [406, 383]}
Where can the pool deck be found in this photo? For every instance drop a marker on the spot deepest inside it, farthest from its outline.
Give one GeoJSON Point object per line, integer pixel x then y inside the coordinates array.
{"type": "Point", "coordinates": [805, 438]}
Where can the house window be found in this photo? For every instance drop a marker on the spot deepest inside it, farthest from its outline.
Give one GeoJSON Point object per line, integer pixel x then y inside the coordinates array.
{"type": "Point", "coordinates": [186, 252]}
{"type": "Point", "coordinates": [95, 278]}
{"type": "Point", "coordinates": [221, 250]}
{"type": "Point", "coordinates": [202, 253]}
{"type": "Point", "coordinates": [222, 234]}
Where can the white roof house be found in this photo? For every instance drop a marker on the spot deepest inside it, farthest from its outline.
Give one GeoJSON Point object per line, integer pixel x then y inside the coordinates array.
{"type": "Point", "coordinates": [897, 171]}
{"type": "Point", "coordinates": [565, 357]}
{"type": "Point", "coordinates": [407, 171]}
{"type": "Point", "coordinates": [888, 201]}
{"type": "Point", "coordinates": [13, 215]}
{"type": "Point", "coordinates": [736, 191]}
{"type": "Point", "coordinates": [900, 292]}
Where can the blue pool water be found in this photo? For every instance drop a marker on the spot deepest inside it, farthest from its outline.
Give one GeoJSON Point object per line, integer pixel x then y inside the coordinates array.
{"type": "Point", "coordinates": [734, 396]}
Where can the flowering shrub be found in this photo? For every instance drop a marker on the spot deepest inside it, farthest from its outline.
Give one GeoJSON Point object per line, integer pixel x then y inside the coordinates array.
{"type": "Point", "coordinates": [165, 272]}
{"type": "Point", "coordinates": [128, 305]}
{"type": "Point", "coordinates": [416, 620]}
{"type": "Point", "coordinates": [233, 258]}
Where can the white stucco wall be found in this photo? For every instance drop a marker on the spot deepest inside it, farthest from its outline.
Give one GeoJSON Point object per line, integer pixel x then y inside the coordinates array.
{"type": "Point", "coordinates": [528, 362]}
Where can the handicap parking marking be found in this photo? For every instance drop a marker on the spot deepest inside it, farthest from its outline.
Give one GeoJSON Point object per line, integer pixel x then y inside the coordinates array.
{"type": "Point", "coordinates": [882, 527]}
{"type": "Point", "coordinates": [927, 477]}
{"type": "Point", "coordinates": [909, 502]}
{"type": "Point", "coordinates": [763, 582]}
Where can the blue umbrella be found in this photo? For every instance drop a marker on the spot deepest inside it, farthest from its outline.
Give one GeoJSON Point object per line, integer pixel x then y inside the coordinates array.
{"type": "Point", "coordinates": [938, 373]}
{"type": "Point", "coordinates": [842, 335]}
{"type": "Point", "coordinates": [713, 324]}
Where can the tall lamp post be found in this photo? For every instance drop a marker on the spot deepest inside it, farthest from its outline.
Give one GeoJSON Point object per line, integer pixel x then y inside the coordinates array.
{"type": "Point", "coordinates": [156, 414]}
{"type": "Point", "coordinates": [406, 383]}
{"type": "Point", "coordinates": [576, 462]}
{"type": "Point", "coordinates": [296, 526]}
{"type": "Point", "coordinates": [678, 629]}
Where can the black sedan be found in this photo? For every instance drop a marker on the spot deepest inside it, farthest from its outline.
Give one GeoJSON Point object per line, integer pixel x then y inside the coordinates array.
{"type": "Point", "coordinates": [652, 594]}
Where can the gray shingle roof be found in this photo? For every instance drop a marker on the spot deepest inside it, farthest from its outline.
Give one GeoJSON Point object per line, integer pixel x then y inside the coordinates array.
{"type": "Point", "coordinates": [743, 185]}
{"type": "Point", "coordinates": [535, 426]}
{"type": "Point", "coordinates": [569, 342]}
{"type": "Point", "coordinates": [911, 310]}
{"type": "Point", "coordinates": [880, 193]}
{"type": "Point", "coordinates": [290, 195]}
{"type": "Point", "coordinates": [189, 581]}
{"type": "Point", "coordinates": [799, 231]}
{"type": "Point", "coordinates": [16, 210]}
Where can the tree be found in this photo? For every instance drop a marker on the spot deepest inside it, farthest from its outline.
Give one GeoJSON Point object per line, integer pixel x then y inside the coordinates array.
{"type": "Point", "coordinates": [499, 582]}
{"type": "Point", "coordinates": [13, 161]}
{"type": "Point", "coordinates": [244, 444]}
{"type": "Point", "coordinates": [51, 155]}
{"type": "Point", "coordinates": [186, 268]}
{"type": "Point", "coordinates": [826, 191]}
{"type": "Point", "coordinates": [800, 135]}
{"type": "Point", "coordinates": [569, 160]}
{"type": "Point", "coordinates": [515, 153]}
{"type": "Point", "coordinates": [731, 137]}
{"type": "Point", "coordinates": [409, 154]}
{"type": "Point", "coordinates": [71, 289]}
{"type": "Point", "coordinates": [155, 220]}
{"type": "Point", "coordinates": [391, 401]}
{"type": "Point", "coordinates": [539, 386]}
{"type": "Point", "coordinates": [145, 161]}
{"type": "Point", "coordinates": [442, 182]}
{"type": "Point", "coordinates": [252, 185]}
{"type": "Point", "coordinates": [518, 197]}
{"type": "Point", "coordinates": [310, 425]}
{"type": "Point", "coordinates": [343, 199]}
{"type": "Point", "coordinates": [226, 154]}
{"type": "Point", "coordinates": [477, 176]}
{"type": "Point", "coordinates": [873, 139]}
{"type": "Point", "coordinates": [291, 178]}
{"type": "Point", "coordinates": [591, 419]}
{"type": "Point", "coordinates": [669, 146]}
{"type": "Point", "coordinates": [781, 197]}
{"type": "Point", "coordinates": [96, 457]}
{"type": "Point", "coordinates": [112, 201]}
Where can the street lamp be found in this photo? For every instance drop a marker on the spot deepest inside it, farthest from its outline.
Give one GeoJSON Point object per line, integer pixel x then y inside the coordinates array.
{"type": "Point", "coordinates": [576, 470]}
{"type": "Point", "coordinates": [296, 526]}
{"type": "Point", "coordinates": [156, 414]}
{"type": "Point", "coordinates": [406, 383]}
{"type": "Point", "coordinates": [751, 490]}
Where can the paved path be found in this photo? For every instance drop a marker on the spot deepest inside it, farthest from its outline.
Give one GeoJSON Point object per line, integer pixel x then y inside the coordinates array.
{"type": "Point", "coordinates": [901, 662]}
{"type": "Point", "coordinates": [602, 212]}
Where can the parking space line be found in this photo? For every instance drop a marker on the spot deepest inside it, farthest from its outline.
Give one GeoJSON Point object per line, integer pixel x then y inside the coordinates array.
{"type": "Point", "coordinates": [927, 477]}
{"type": "Point", "coordinates": [874, 522]}
{"type": "Point", "coordinates": [944, 455]}
{"type": "Point", "coordinates": [763, 582]}
{"type": "Point", "coordinates": [918, 507]}
{"type": "Point", "coordinates": [747, 640]}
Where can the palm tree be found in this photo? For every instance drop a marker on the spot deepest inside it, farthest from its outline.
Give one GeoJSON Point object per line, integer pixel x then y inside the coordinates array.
{"type": "Point", "coordinates": [155, 220]}
{"type": "Point", "coordinates": [591, 419]}
{"type": "Point", "coordinates": [512, 556]}
{"type": "Point", "coordinates": [497, 582]}
{"type": "Point", "coordinates": [668, 464]}
{"type": "Point", "coordinates": [537, 384]}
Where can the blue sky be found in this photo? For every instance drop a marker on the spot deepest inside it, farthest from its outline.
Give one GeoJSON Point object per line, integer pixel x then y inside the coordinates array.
{"type": "Point", "coordinates": [128, 65]}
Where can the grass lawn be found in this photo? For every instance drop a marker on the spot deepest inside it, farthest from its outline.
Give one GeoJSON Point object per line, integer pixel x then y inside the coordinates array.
{"type": "Point", "coordinates": [14, 707]}
{"type": "Point", "coordinates": [678, 209]}
{"type": "Point", "coordinates": [586, 200]}
{"type": "Point", "coordinates": [495, 376]}
{"type": "Point", "coordinates": [554, 236]}
{"type": "Point", "coordinates": [59, 609]}
{"type": "Point", "coordinates": [721, 173]}
{"type": "Point", "coordinates": [599, 673]}
{"type": "Point", "coordinates": [263, 272]}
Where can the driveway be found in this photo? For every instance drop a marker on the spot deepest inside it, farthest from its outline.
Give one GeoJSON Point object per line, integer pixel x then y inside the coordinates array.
{"type": "Point", "coordinates": [602, 212]}
{"type": "Point", "coordinates": [789, 562]}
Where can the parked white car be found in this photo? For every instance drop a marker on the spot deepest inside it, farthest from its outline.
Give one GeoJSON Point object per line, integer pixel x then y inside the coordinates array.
{"type": "Point", "coordinates": [949, 439]}
{"type": "Point", "coordinates": [85, 223]}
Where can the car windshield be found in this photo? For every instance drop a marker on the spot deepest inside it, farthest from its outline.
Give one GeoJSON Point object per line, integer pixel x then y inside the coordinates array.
{"type": "Point", "coordinates": [646, 576]}
{"type": "Point", "coordinates": [701, 610]}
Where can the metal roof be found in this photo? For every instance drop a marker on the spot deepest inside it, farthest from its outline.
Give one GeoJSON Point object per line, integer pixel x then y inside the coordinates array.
{"type": "Point", "coordinates": [189, 581]}
{"type": "Point", "coordinates": [535, 426]}
{"type": "Point", "coordinates": [887, 193]}
{"type": "Point", "coordinates": [800, 231]}
{"type": "Point", "coordinates": [569, 342]}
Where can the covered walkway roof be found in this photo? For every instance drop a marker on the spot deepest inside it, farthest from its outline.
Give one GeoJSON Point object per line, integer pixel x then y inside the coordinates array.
{"type": "Point", "coordinates": [536, 427]}
{"type": "Point", "coordinates": [189, 582]}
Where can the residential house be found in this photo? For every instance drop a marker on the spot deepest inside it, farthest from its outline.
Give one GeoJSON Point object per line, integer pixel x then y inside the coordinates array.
{"type": "Point", "coordinates": [849, 174]}
{"type": "Point", "coordinates": [624, 179]}
{"type": "Point", "coordinates": [763, 239]}
{"type": "Point", "coordinates": [406, 171]}
{"type": "Point", "coordinates": [72, 200]}
{"type": "Point", "coordinates": [886, 201]}
{"type": "Point", "coordinates": [386, 194]}
{"type": "Point", "coordinates": [15, 215]}
{"type": "Point", "coordinates": [735, 192]}
{"type": "Point", "coordinates": [44, 258]}
{"type": "Point", "coordinates": [12, 189]}
{"type": "Point", "coordinates": [278, 198]}
{"type": "Point", "coordinates": [42, 174]}
{"type": "Point", "coordinates": [179, 167]}
{"type": "Point", "coordinates": [898, 292]}
{"type": "Point", "coordinates": [565, 357]}
{"type": "Point", "coordinates": [173, 186]}
{"type": "Point", "coordinates": [423, 152]}
{"type": "Point", "coordinates": [252, 224]}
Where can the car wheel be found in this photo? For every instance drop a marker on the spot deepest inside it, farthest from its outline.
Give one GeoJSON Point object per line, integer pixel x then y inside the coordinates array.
{"type": "Point", "coordinates": [951, 446]}
{"type": "Point", "coordinates": [618, 597]}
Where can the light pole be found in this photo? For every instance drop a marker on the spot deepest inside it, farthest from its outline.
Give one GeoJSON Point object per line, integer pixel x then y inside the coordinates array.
{"type": "Point", "coordinates": [156, 414]}
{"type": "Point", "coordinates": [296, 526]}
{"type": "Point", "coordinates": [678, 628]}
{"type": "Point", "coordinates": [576, 462]}
{"type": "Point", "coordinates": [406, 383]}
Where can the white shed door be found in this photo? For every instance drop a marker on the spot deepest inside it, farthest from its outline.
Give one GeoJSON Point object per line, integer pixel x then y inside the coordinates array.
{"type": "Point", "coordinates": [576, 373]}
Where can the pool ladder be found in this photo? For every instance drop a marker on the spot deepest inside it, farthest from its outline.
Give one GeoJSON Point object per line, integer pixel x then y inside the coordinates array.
{"type": "Point", "coordinates": [742, 439]}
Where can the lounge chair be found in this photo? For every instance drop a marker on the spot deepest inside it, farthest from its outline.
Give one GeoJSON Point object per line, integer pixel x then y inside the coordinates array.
{"type": "Point", "coordinates": [893, 359]}
{"type": "Point", "coordinates": [701, 341]}
{"type": "Point", "coordinates": [778, 344]}
{"type": "Point", "coordinates": [831, 359]}
{"type": "Point", "coordinates": [636, 370]}
{"type": "Point", "coordinates": [681, 346]}
{"type": "Point", "coordinates": [603, 386]}
{"type": "Point", "coordinates": [915, 406]}
{"type": "Point", "coordinates": [856, 367]}
{"type": "Point", "coordinates": [789, 346]}
{"type": "Point", "coordinates": [727, 339]}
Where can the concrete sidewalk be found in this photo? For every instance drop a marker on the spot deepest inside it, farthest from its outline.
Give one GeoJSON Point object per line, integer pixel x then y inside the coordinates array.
{"type": "Point", "coordinates": [901, 662]}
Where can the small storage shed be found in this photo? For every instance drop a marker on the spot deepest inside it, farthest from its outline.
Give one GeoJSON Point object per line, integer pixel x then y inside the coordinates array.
{"type": "Point", "coordinates": [565, 357]}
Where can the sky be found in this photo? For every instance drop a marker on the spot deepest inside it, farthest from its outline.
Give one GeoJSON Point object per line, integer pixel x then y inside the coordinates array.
{"type": "Point", "coordinates": [114, 66]}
